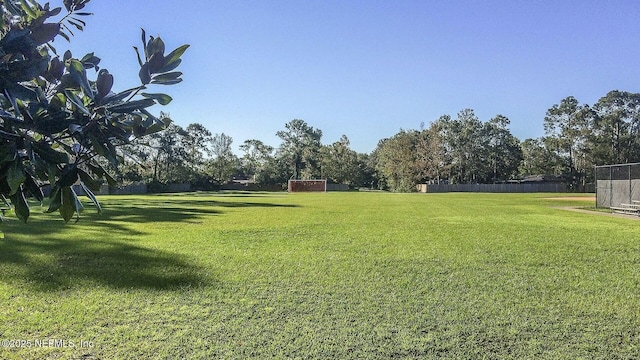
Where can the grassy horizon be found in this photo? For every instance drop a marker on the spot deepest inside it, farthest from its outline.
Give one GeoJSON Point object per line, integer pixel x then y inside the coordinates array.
{"type": "Point", "coordinates": [335, 275]}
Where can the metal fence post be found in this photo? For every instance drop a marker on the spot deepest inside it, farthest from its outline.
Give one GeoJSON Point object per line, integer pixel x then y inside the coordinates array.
{"type": "Point", "coordinates": [629, 177]}
{"type": "Point", "coordinates": [610, 186]}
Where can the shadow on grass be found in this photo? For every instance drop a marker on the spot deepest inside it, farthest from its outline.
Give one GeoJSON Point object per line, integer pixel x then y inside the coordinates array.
{"type": "Point", "coordinates": [160, 209]}
{"type": "Point", "coordinates": [228, 193]}
{"type": "Point", "coordinates": [145, 212]}
{"type": "Point", "coordinates": [118, 213]}
{"type": "Point", "coordinates": [48, 264]}
{"type": "Point", "coordinates": [196, 199]}
{"type": "Point", "coordinates": [118, 220]}
{"type": "Point", "coordinates": [48, 255]}
{"type": "Point", "coordinates": [229, 204]}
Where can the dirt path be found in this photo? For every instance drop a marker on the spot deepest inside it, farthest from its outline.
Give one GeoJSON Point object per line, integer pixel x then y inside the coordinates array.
{"type": "Point", "coordinates": [610, 214]}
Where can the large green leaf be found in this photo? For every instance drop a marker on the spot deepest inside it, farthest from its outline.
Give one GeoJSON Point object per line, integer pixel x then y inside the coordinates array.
{"type": "Point", "coordinates": [102, 149]}
{"type": "Point", "coordinates": [171, 66]}
{"type": "Point", "coordinates": [154, 46]}
{"type": "Point", "coordinates": [55, 199]}
{"type": "Point", "coordinates": [23, 70]}
{"type": "Point", "coordinates": [69, 175]}
{"type": "Point", "coordinates": [88, 181]}
{"type": "Point", "coordinates": [79, 75]}
{"type": "Point", "coordinates": [131, 106]}
{"type": "Point", "coordinates": [48, 154]}
{"type": "Point", "coordinates": [53, 171]}
{"type": "Point", "coordinates": [20, 205]}
{"type": "Point", "coordinates": [75, 100]}
{"type": "Point", "coordinates": [102, 173]}
{"type": "Point", "coordinates": [162, 99]}
{"type": "Point", "coordinates": [77, 203]}
{"type": "Point", "coordinates": [68, 208]}
{"type": "Point", "coordinates": [156, 124]}
{"type": "Point", "coordinates": [104, 82]}
{"type": "Point", "coordinates": [45, 33]}
{"type": "Point", "coordinates": [121, 95]}
{"type": "Point", "coordinates": [31, 185]}
{"type": "Point", "coordinates": [15, 176]}
{"type": "Point", "coordinates": [166, 82]}
{"type": "Point", "coordinates": [167, 78]}
{"type": "Point", "coordinates": [58, 103]}
{"type": "Point", "coordinates": [156, 63]}
{"type": "Point", "coordinates": [93, 198]}
{"type": "Point", "coordinates": [110, 180]}
{"type": "Point", "coordinates": [172, 60]}
{"type": "Point", "coordinates": [54, 11]}
{"type": "Point", "coordinates": [145, 74]}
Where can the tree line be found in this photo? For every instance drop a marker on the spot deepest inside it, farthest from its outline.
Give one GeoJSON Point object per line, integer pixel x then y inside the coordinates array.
{"type": "Point", "coordinates": [206, 160]}
{"type": "Point", "coordinates": [456, 150]}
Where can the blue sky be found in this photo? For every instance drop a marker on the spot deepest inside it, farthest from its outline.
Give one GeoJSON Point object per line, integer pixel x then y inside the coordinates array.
{"type": "Point", "coordinates": [366, 69]}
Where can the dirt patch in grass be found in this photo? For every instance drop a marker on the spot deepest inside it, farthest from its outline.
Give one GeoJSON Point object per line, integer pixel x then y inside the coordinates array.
{"type": "Point", "coordinates": [585, 210]}
{"type": "Point", "coordinates": [595, 212]}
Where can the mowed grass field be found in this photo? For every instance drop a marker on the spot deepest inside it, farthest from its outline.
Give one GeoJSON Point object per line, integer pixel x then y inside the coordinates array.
{"type": "Point", "coordinates": [335, 275]}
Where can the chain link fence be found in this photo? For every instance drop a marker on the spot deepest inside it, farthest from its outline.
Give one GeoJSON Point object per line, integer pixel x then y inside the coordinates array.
{"type": "Point", "coordinates": [617, 184]}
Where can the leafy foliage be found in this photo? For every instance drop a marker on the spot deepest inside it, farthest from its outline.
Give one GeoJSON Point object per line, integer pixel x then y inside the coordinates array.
{"type": "Point", "coordinates": [461, 150]}
{"type": "Point", "coordinates": [567, 127]}
{"type": "Point", "coordinates": [59, 124]}
{"type": "Point", "coordinates": [256, 156]}
{"type": "Point", "coordinates": [340, 163]}
{"type": "Point", "coordinates": [396, 160]}
{"type": "Point", "coordinates": [224, 162]}
{"type": "Point", "coordinates": [300, 146]}
{"type": "Point", "coordinates": [615, 135]}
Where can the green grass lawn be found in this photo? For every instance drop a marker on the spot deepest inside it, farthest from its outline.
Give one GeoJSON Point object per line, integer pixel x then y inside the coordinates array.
{"type": "Point", "coordinates": [336, 275]}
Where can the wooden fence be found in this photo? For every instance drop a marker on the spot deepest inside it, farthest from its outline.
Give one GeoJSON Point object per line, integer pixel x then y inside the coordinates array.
{"type": "Point", "coordinates": [493, 188]}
